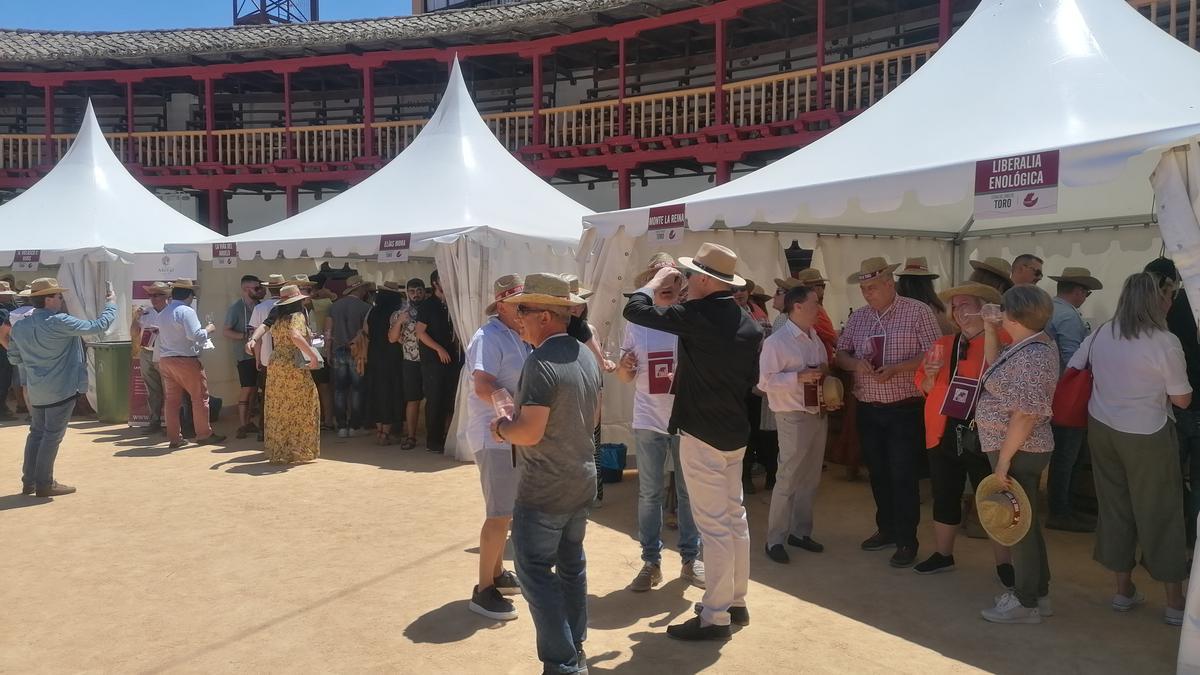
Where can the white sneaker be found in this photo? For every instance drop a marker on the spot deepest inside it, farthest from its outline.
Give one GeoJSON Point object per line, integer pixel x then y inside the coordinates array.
{"type": "Point", "coordinates": [1044, 606]}
{"type": "Point", "coordinates": [343, 433]}
{"type": "Point", "coordinates": [1123, 603]}
{"type": "Point", "coordinates": [1009, 610]}
{"type": "Point", "coordinates": [693, 573]}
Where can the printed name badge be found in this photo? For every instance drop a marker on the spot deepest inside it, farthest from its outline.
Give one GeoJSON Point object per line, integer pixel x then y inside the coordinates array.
{"type": "Point", "coordinates": [224, 256]}
{"type": "Point", "coordinates": [26, 261]}
{"type": "Point", "coordinates": [660, 367]}
{"type": "Point", "coordinates": [394, 247]}
{"type": "Point", "coordinates": [666, 224]}
{"type": "Point", "coordinates": [1022, 185]}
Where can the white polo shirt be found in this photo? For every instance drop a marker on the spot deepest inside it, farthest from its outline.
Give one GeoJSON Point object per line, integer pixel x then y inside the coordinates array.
{"type": "Point", "coordinates": [497, 350]}
{"type": "Point", "coordinates": [657, 357]}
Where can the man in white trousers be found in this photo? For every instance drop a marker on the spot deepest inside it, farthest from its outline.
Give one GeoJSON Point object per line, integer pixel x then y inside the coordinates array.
{"type": "Point", "coordinates": [791, 367]}
{"type": "Point", "coordinates": [717, 360]}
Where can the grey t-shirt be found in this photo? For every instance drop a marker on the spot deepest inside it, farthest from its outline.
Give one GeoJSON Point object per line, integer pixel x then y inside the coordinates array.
{"type": "Point", "coordinates": [558, 475]}
{"type": "Point", "coordinates": [347, 314]}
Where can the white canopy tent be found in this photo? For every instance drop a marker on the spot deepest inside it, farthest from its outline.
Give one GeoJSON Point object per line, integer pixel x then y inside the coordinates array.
{"type": "Point", "coordinates": [463, 199]}
{"type": "Point", "coordinates": [1090, 79]}
{"type": "Point", "coordinates": [89, 216]}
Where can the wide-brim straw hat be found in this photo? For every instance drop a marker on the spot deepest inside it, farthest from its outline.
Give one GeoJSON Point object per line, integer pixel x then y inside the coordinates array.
{"type": "Point", "coordinates": [275, 281]}
{"type": "Point", "coordinates": [303, 281]}
{"type": "Point", "coordinates": [810, 275]}
{"type": "Point", "coordinates": [788, 283]}
{"type": "Point", "coordinates": [353, 284]}
{"type": "Point", "coordinates": [974, 289]}
{"type": "Point", "coordinates": [997, 266]}
{"type": "Point", "coordinates": [716, 261]}
{"type": "Point", "coordinates": [834, 392]}
{"type": "Point", "coordinates": [290, 293]}
{"type": "Point", "coordinates": [1006, 514]}
{"type": "Point", "coordinates": [760, 293]}
{"type": "Point", "coordinates": [546, 289]}
{"type": "Point", "coordinates": [158, 287]}
{"type": "Point", "coordinates": [43, 286]}
{"type": "Point", "coordinates": [509, 284]}
{"type": "Point", "coordinates": [392, 287]}
{"type": "Point", "coordinates": [576, 288]}
{"type": "Point", "coordinates": [871, 269]}
{"type": "Point", "coordinates": [657, 262]}
{"type": "Point", "coordinates": [917, 267]}
{"type": "Point", "coordinates": [6, 288]}
{"type": "Point", "coordinates": [1080, 275]}
{"type": "Point", "coordinates": [188, 284]}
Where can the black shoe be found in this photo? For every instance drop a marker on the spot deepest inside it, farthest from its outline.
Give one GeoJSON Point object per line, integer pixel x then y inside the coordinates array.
{"type": "Point", "coordinates": [934, 564]}
{"type": "Point", "coordinates": [507, 583]}
{"type": "Point", "coordinates": [738, 616]}
{"type": "Point", "coordinates": [213, 439]}
{"type": "Point", "coordinates": [877, 542]}
{"type": "Point", "coordinates": [1007, 575]}
{"type": "Point", "coordinates": [27, 489]}
{"type": "Point", "coordinates": [805, 543]}
{"type": "Point", "coordinates": [491, 604]}
{"type": "Point", "coordinates": [778, 554]}
{"type": "Point", "coordinates": [693, 630]}
{"type": "Point", "coordinates": [904, 556]}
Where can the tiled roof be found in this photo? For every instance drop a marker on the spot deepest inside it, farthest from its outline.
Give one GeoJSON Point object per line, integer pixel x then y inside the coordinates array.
{"type": "Point", "coordinates": [27, 46]}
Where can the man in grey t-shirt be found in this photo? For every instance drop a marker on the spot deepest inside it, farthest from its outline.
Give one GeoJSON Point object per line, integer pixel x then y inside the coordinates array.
{"type": "Point", "coordinates": [558, 405]}
{"type": "Point", "coordinates": [343, 325]}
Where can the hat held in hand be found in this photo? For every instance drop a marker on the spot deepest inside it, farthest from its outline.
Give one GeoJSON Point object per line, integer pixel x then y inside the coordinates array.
{"type": "Point", "coordinates": [1005, 513]}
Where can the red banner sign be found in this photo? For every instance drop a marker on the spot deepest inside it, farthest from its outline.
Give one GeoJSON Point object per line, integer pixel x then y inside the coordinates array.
{"type": "Point", "coordinates": [394, 247]}
{"type": "Point", "coordinates": [27, 261]}
{"type": "Point", "coordinates": [224, 255]}
{"type": "Point", "coordinates": [1021, 185]}
{"type": "Point", "coordinates": [666, 224]}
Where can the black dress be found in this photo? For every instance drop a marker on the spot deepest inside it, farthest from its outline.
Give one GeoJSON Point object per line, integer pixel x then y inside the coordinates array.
{"type": "Point", "coordinates": [384, 373]}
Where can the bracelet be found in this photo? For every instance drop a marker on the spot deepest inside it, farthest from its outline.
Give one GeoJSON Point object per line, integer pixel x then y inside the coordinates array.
{"type": "Point", "coordinates": [499, 433]}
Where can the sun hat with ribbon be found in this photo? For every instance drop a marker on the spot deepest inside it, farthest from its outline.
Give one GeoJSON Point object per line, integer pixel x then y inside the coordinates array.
{"type": "Point", "coordinates": [188, 284]}
{"type": "Point", "coordinates": [916, 267]}
{"type": "Point", "coordinates": [716, 261]}
{"type": "Point", "coordinates": [42, 287]}
{"type": "Point", "coordinates": [576, 288]}
{"type": "Point", "coordinates": [290, 293]}
{"type": "Point", "coordinates": [871, 269]}
{"type": "Point", "coordinates": [974, 289]}
{"type": "Point", "coordinates": [1005, 513]}
{"type": "Point", "coordinates": [997, 266]}
{"type": "Point", "coordinates": [809, 276]}
{"type": "Point", "coordinates": [657, 262]}
{"type": "Point", "coordinates": [6, 288]}
{"type": "Point", "coordinates": [509, 284]}
{"type": "Point", "coordinates": [1081, 276]}
{"type": "Point", "coordinates": [158, 288]}
{"type": "Point", "coordinates": [543, 288]}
{"type": "Point", "coordinates": [353, 284]}
{"type": "Point", "coordinates": [275, 281]}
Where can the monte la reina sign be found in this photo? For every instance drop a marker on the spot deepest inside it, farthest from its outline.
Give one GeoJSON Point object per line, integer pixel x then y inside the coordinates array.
{"type": "Point", "coordinates": [1020, 185]}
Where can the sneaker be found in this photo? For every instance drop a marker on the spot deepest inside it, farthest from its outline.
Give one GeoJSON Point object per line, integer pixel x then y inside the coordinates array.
{"type": "Point", "coordinates": [649, 577]}
{"type": "Point", "coordinates": [738, 616]}
{"type": "Point", "coordinates": [213, 439]}
{"type": "Point", "coordinates": [174, 445]}
{"type": "Point", "coordinates": [343, 433]}
{"type": "Point", "coordinates": [1122, 603]}
{"type": "Point", "coordinates": [694, 630]}
{"type": "Point", "coordinates": [55, 489]}
{"type": "Point", "coordinates": [491, 604]}
{"type": "Point", "coordinates": [904, 556]}
{"type": "Point", "coordinates": [806, 543]}
{"type": "Point", "coordinates": [778, 553]}
{"type": "Point", "coordinates": [877, 542]}
{"type": "Point", "coordinates": [934, 564]}
{"type": "Point", "coordinates": [507, 583]}
{"type": "Point", "coordinates": [1010, 610]}
{"type": "Point", "coordinates": [1007, 576]}
{"type": "Point", "coordinates": [693, 573]}
{"type": "Point", "coordinates": [1173, 617]}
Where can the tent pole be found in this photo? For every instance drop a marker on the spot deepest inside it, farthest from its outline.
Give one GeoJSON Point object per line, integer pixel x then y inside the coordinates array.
{"type": "Point", "coordinates": [959, 251]}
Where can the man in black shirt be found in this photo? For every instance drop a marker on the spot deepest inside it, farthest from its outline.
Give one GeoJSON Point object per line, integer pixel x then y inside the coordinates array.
{"type": "Point", "coordinates": [717, 363]}
{"type": "Point", "coordinates": [1182, 323]}
{"type": "Point", "coordinates": [8, 303]}
{"type": "Point", "coordinates": [441, 361]}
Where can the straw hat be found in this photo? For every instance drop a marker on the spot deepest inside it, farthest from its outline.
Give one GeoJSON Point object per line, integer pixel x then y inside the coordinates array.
{"type": "Point", "coordinates": [43, 286]}
{"type": "Point", "coordinates": [917, 267]}
{"type": "Point", "coordinates": [158, 287]}
{"type": "Point", "coordinates": [275, 280]}
{"type": "Point", "coordinates": [352, 284]}
{"type": "Point", "coordinates": [788, 283]}
{"type": "Point", "coordinates": [546, 289]}
{"type": "Point", "coordinates": [834, 392]}
{"type": "Point", "coordinates": [576, 288]}
{"type": "Point", "coordinates": [303, 281]}
{"type": "Point", "coordinates": [1006, 515]}
{"type": "Point", "coordinates": [760, 293]}
{"type": "Point", "coordinates": [715, 261]}
{"type": "Point", "coordinates": [1080, 275]}
{"type": "Point", "coordinates": [288, 294]}
{"type": "Point", "coordinates": [997, 266]}
{"type": "Point", "coordinates": [870, 269]}
{"type": "Point", "coordinates": [392, 287]}
{"type": "Point", "coordinates": [184, 283]}
{"type": "Point", "coordinates": [509, 284]}
{"type": "Point", "coordinates": [974, 289]}
{"type": "Point", "coordinates": [6, 288]}
{"type": "Point", "coordinates": [657, 262]}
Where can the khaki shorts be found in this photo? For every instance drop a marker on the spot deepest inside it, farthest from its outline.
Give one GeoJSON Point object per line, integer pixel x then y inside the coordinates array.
{"type": "Point", "coordinates": [498, 477]}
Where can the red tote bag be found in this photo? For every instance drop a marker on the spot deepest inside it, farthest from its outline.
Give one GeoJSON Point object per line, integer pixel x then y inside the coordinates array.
{"type": "Point", "coordinates": [1074, 390]}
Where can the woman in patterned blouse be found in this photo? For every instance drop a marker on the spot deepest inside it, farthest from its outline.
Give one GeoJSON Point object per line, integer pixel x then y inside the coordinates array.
{"type": "Point", "coordinates": [1013, 420]}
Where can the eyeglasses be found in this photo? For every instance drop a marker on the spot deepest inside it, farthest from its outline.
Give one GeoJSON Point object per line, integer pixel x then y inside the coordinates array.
{"type": "Point", "coordinates": [525, 309]}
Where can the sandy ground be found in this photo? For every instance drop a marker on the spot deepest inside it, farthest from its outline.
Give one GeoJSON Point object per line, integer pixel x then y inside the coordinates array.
{"type": "Point", "coordinates": [210, 560]}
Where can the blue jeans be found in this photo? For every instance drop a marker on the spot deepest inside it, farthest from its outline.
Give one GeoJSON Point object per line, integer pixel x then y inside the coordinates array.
{"type": "Point", "coordinates": [1187, 427]}
{"type": "Point", "coordinates": [652, 449]}
{"type": "Point", "coordinates": [46, 432]}
{"type": "Point", "coordinates": [557, 599]}
{"type": "Point", "coordinates": [1067, 443]}
{"type": "Point", "coordinates": [347, 383]}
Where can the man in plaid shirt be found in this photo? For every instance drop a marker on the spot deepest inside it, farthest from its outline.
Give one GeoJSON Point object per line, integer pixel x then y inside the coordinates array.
{"type": "Point", "coordinates": [883, 344]}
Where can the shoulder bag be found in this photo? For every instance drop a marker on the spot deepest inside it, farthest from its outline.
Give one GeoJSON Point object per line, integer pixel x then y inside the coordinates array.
{"type": "Point", "coordinates": [1073, 393]}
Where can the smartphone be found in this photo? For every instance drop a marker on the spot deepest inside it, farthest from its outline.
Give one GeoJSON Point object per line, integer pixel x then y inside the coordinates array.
{"type": "Point", "coordinates": [108, 289]}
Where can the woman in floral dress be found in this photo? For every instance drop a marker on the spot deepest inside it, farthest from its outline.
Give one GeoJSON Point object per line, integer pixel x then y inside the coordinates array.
{"type": "Point", "coordinates": [293, 408]}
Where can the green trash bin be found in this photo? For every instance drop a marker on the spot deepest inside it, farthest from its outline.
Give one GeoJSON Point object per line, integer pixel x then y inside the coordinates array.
{"type": "Point", "coordinates": [113, 363]}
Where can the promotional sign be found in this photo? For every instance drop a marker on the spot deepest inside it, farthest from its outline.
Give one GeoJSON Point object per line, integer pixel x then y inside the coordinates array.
{"type": "Point", "coordinates": [148, 268]}
{"type": "Point", "coordinates": [1022, 185]}
{"type": "Point", "coordinates": [666, 224]}
{"type": "Point", "coordinates": [394, 247]}
{"type": "Point", "coordinates": [26, 261]}
{"type": "Point", "coordinates": [224, 256]}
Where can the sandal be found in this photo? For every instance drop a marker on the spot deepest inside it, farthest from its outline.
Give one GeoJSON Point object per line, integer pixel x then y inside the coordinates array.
{"type": "Point", "coordinates": [408, 443]}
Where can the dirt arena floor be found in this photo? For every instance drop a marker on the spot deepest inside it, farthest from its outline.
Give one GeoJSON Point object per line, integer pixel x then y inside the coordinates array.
{"type": "Point", "coordinates": [211, 560]}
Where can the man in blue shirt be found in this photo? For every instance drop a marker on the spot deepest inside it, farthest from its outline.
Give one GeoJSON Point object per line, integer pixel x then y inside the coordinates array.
{"type": "Point", "coordinates": [180, 339]}
{"type": "Point", "coordinates": [1068, 330]}
{"type": "Point", "coordinates": [47, 349]}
